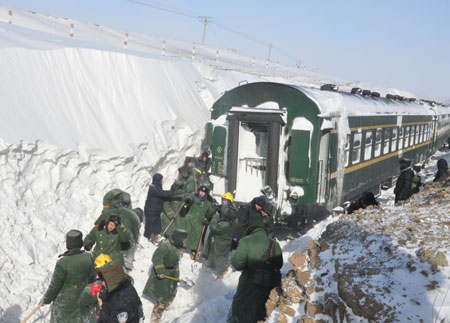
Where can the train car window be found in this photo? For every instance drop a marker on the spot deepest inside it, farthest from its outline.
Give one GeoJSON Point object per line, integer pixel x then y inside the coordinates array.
{"type": "Point", "coordinates": [406, 137]}
{"type": "Point", "coordinates": [368, 145]}
{"type": "Point", "coordinates": [347, 150]}
{"type": "Point", "coordinates": [387, 140]}
{"type": "Point", "coordinates": [422, 133]}
{"type": "Point", "coordinates": [356, 152]}
{"type": "Point", "coordinates": [417, 140]}
{"type": "Point", "coordinates": [400, 138]}
{"type": "Point", "coordinates": [411, 136]}
{"type": "Point", "coordinates": [394, 140]}
{"type": "Point", "coordinates": [378, 142]}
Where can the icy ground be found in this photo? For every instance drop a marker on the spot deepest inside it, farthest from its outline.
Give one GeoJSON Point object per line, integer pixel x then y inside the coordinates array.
{"type": "Point", "coordinates": [82, 116]}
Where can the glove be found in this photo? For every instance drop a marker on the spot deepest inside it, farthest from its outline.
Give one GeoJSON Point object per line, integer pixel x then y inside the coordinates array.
{"type": "Point", "coordinates": [205, 222]}
{"type": "Point", "coordinates": [160, 276]}
{"type": "Point", "coordinates": [96, 289]}
{"type": "Point", "coordinates": [88, 246]}
{"type": "Point", "coordinates": [234, 243]}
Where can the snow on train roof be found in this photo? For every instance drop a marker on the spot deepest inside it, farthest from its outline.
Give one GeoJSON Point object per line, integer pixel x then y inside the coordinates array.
{"type": "Point", "coordinates": [334, 104]}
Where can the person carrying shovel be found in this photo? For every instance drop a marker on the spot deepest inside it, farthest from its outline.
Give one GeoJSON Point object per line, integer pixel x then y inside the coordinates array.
{"type": "Point", "coordinates": [73, 271]}
{"type": "Point", "coordinates": [200, 214]}
{"type": "Point", "coordinates": [161, 286]}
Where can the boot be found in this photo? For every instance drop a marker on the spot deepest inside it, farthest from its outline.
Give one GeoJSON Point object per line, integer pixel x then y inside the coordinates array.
{"type": "Point", "coordinates": [157, 313]}
{"type": "Point", "coordinates": [222, 276]}
{"type": "Point", "coordinates": [182, 251]}
{"type": "Point", "coordinates": [193, 254]}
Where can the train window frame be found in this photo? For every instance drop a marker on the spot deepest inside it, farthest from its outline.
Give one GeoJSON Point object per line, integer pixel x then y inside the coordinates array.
{"type": "Point", "coordinates": [417, 135]}
{"type": "Point", "coordinates": [387, 142]}
{"type": "Point", "coordinates": [378, 142]}
{"type": "Point", "coordinates": [368, 146]}
{"type": "Point", "coordinates": [400, 138]}
{"type": "Point", "coordinates": [412, 135]}
{"type": "Point", "coordinates": [347, 151]}
{"type": "Point", "coordinates": [356, 152]}
{"type": "Point", "coordinates": [406, 137]}
{"type": "Point", "coordinates": [394, 141]}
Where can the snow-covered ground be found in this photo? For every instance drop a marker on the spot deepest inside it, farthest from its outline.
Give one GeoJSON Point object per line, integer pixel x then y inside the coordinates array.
{"type": "Point", "coordinates": [81, 116]}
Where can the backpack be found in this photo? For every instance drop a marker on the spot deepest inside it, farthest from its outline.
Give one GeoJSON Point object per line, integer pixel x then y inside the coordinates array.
{"type": "Point", "coordinates": [415, 184]}
{"type": "Point", "coordinates": [263, 273]}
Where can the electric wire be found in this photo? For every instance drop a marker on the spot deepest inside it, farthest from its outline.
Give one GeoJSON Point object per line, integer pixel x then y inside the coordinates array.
{"type": "Point", "coordinates": [178, 12]}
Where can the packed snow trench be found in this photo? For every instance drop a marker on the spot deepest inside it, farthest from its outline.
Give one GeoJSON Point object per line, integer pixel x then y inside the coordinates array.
{"type": "Point", "coordinates": [82, 116]}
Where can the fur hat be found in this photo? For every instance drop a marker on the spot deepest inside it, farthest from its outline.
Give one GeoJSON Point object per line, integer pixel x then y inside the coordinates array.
{"type": "Point", "coordinates": [261, 201]}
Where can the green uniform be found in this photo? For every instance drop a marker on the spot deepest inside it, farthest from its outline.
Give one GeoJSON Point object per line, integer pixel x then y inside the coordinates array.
{"type": "Point", "coordinates": [72, 273]}
{"type": "Point", "coordinates": [171, 208]}
{"type": "Point", "coordinates": [221, 234]}
{"type": "Point", "coordinates": [249, 301]}
{"type": "Point", "coordinates": [199, 211]}
{"type": "Point", "coordinates": [117, 202]}
{"type": "Point", "coordinates": [108, 243]}
{"type": "Point", "coordinates": [165, 261]}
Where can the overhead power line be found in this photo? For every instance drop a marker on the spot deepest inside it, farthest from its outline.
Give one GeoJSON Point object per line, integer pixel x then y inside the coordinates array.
{"type": "Point", "coordinates": [164, 9]}
{"type": "Point", "coordinates": [207, 19]}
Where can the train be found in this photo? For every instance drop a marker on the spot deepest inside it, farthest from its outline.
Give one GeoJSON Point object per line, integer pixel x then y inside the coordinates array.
{"type": "Point", "coordinates": [317, 145]}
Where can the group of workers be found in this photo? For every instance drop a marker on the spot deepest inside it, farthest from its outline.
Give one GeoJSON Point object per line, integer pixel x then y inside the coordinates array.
{"type": "Point", "coordinates": [94, 285]}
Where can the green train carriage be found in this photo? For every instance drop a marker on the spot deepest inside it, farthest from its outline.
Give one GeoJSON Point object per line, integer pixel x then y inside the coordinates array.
{"type": "Point", "coordinates": [326, 146]}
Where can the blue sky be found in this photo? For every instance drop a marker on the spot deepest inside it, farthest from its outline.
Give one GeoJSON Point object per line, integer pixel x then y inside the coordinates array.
{"type": "Point", "coordinates": [399, 43]}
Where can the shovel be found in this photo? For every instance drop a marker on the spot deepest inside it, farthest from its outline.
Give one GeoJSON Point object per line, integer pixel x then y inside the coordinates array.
{"type": "Point", "coordinates": [194, 266]}
{"type": "Point", "coordinates": [161, 238]}
{"type": "Point", "coordinates": [32, 312]}
{"type": "Point", "coordinates": [186, 281]}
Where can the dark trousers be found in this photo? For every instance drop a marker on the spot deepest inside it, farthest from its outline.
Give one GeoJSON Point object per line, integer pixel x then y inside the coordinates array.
{"type": "Point", "coordinates": [152, 224]}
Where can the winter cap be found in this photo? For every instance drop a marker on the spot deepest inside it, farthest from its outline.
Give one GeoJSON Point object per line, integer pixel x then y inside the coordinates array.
{"type": "Point", "coordinates": [74, 239]}
{"type": "Point", "coordinates": [203, 188]}
{"type": "Point", "coordinates": [260, 200]}
{"type": "Point", "coordinates": [114, 218]}
{"type": "Point", "coordinates": [178, 237]}
{"type": "Point", "coordinates": [112, 274]}
{"type": "Point", "coordinates": [157, 178]}
{"type": "Point", "coordinates": [110, 198]}
{"type": "Point", "coordinates": [267, 191]}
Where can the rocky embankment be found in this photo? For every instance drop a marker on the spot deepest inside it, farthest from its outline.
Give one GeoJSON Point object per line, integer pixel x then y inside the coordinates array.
{"type": "Point", "coordinates": [387, 264]}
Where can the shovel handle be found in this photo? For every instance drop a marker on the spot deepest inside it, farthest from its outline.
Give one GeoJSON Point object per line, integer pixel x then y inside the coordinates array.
{"type": "Point", "coordinates": [32, 312]}
{"type": "Point", "coordinates": [173, 219]}
{"type": "Point", "coordinates": [197, 253]}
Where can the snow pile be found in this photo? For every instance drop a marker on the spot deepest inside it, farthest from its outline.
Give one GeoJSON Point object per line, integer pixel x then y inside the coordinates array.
{"type": "Point", "coordinates": [83, 116]}
{"type": "Point", "coordinates": [384, 264]}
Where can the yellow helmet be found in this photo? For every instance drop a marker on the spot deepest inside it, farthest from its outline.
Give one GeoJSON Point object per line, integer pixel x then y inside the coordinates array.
{"type": "Point", "coordinates": [101, 260]}
{"type": "Point", "coordinates": [228, 196]}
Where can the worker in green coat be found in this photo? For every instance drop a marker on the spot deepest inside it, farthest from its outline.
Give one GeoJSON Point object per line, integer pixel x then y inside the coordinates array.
{"type": "Point", "coordinates": [171, 209]}
{"type": "Point", "coordinates": [72, 273]}
{"type": "Point", "coordinates": [222, 228]}
{"type": "Point", "coordinates": [200, 214]}
{"type": "Point", "coordinates": [260, 260]}
{"type": "Point", "coordinates": [161, 286]}
{"type": "Point", "coordinates": [109, 238]}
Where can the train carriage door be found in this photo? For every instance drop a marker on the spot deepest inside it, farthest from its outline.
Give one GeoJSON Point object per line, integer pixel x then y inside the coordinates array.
{"type": "Point", "coordinates": [253, 156]}
{"type": "Point", "coordinates": [300, 151]}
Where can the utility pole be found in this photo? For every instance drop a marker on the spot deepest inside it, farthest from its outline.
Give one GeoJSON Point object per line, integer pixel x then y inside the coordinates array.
{"type": "Point", "coordinates": [204, 19]}
{"type": "Point", "coordinates": [270, 51]}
